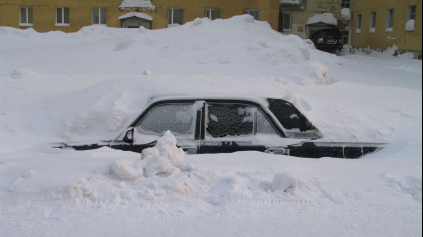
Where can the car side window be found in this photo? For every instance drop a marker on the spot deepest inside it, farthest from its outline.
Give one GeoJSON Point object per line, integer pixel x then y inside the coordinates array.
{"type": "Point", "coordinates": [229, 120]}
{"type": "Point", "coordinates": [264, 126]}
{"type": "Point", "coordinates": [225, 120]}
{"type": "Point", "coordinates": [178, 118]}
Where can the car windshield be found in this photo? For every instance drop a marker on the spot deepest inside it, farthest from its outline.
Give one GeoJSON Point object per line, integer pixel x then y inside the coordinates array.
{"type": "Point", "coordinates": [330, 33]}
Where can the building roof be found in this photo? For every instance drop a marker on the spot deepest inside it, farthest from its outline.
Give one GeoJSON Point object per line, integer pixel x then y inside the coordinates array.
{"type": "Point", "coordinates": [137, 15]}
{"type": "Point", "coordinates": [144, 4]}
{"type": "Point", "coordinates": [326, 18]}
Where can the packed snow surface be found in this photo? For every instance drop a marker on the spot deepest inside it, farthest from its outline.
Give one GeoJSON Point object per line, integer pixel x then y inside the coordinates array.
{"type": "Point", "coordinates": [326, 18]}
{"type": "Point", "coordinates": [91, 85]}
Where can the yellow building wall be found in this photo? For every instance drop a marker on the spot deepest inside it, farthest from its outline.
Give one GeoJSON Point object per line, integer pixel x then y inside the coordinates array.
{"type": "Point", "coordinates": [81, 12]}
{"type": "Point", "coordinates": [381, 39]}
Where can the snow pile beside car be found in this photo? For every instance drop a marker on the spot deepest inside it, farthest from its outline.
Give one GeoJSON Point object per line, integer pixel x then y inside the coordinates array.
{"type": "Point", "coordinates": [161, 172]}
{"type": "Point", "coordinates": [161, 160]}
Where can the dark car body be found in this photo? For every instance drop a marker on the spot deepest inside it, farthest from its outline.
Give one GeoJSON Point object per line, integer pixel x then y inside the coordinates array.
{"type": "Point", "coordinates": [327, 40]}
{"type": "Point", "coordinates": [224, 125]}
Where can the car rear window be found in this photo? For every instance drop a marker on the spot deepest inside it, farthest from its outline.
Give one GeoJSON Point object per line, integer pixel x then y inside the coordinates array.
{"type": "Point", "coordinates": [289, 116]}
{"type": "Point", "coordinates": [330, 33]}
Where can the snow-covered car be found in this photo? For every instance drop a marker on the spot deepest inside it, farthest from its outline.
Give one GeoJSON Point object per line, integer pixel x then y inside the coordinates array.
{"type": "Point", "coordinates": [222, 124]}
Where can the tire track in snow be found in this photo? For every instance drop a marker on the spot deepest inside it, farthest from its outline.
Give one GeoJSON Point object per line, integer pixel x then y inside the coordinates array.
{"type": "Point", "coordinates": [287, 202]}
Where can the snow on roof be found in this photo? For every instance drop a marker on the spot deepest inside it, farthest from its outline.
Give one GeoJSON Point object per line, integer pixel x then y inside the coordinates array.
{"type": "Point", "coordinates": [145, 4]}
{"type": "Point", "coordinates": [326, 18]}
{"type": "Point", "coordinates": [136, 14]}
{"type": "Point", "coordinates": [346, 14]}
{"type": "Point", "coordinates": [290, 2]}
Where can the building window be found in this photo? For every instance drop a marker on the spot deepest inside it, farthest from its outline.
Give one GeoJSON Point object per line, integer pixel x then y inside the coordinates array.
{"type": "Point", "coordinates": [26, 16]}
{"type": "Point", "coordinates": [411, 13]}
{"type": "Point", "coordinates": [287, 22]}
{"type": "Point", "coordinates": [254, 13]}
{"type": "Point", "coordinates": [373, 17]}
{"type": "Point", "coordinates": [99, 16]}
{"type": "Point", "coordinates": [213, 14]}
{"type": "Point", "coordinates": [175, 17]}
{"type": "Point", "coordinates": [359, 23]}
{"type": "Point", "coordinates": [411, 18]}
{"type": "Point", "coordinates": [390, 20]}
{"type": "Point", "coordinates": [346, 3]}
{"type": "Point", "coordinates": [62, 16]}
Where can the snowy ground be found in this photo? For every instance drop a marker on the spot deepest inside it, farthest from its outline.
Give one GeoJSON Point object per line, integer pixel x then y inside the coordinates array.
{"type": "Point", "coordinates": [89, 85]}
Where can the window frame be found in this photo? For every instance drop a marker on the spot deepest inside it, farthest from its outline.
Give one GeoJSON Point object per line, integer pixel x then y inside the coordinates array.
{"type": "Point", "coordinates": [410, 12]}
{"type": "Point", "coordinates": [346, 4]}
{"type": "Point", "coordinates": [27, 23]}
{"type": "Point", "coordinates": [209, 137]}
{"type": "Point", "coordinates": [373, 22]}
{"type": "Point", "coordinates": [171, 16]}
{"type": "Point", "coordinates": [210, 11]}
{"type": "Point", "coordinates": [180, 137]}
{"type": "Point", "coordinates": [390, 17]}
{"type": "Point", "coordinates": [247, 12]}
{"type": "Point", "coordinates": [99, 16]}
{"type": "Point", "coordinates": [359, 24]}
{"type": "Point", "coordinates": [63, 16]}
{"type": "Point", "coordinates": [290, 22]}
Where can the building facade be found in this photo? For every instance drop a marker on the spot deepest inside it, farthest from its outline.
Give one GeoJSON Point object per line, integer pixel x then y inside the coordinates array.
{"type": "Point", "coordinates": [383, 23]}
{"type": "Point", "coordinates": [375, 24]}
{"type": "Point", "coordinates": [295, 16]}
{"type": "Point", "coordinates": [71, 16]}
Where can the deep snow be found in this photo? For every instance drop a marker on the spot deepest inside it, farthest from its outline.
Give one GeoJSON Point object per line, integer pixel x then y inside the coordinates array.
{"type": "Point", "coordinates": [71, 87]}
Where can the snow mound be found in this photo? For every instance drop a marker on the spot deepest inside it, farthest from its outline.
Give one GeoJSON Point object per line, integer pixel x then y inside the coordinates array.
{"type": "Point", "coordinates": [164, 157]}
{"type": "Point", "coordinates": [248, 18]}
{"type": "Point", "coordinates": [310, 44]}
{"type": "Point", "coordinates": [285, 183]}
{"type": "Point", "coordinates": [191, 165]}
{"type": "Point", "coordinates": [22, 73]}
{"type": "Point", "coordinates": [125, 169]}
{"type": "Point", "coordinates": [123, 43]}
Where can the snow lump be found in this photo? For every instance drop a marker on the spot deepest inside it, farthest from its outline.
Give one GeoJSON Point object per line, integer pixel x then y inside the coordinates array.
{"type": "Point", "coordinates": [285, 183]}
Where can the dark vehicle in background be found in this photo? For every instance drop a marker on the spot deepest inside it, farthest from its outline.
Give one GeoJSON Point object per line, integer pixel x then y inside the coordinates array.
{"type": "Point", "coordinates": [329, 40]}
{"type": "Point", "coordinates": [221, 124]}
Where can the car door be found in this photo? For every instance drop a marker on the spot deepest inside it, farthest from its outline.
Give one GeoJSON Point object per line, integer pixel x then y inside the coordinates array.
{"type": "Point", "coordinates": [235, 126]}
{"type": "Point", "coordinates": [179, 117]}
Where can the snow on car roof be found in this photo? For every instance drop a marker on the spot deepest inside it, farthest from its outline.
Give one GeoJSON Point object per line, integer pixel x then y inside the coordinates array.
{"type": "Point", "coordinates": [326, 18]}
{"type": "Point", "coordinates": [106, 108]}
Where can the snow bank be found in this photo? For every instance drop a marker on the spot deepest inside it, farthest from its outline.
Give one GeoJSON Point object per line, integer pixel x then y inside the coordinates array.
{"type": "Point", "coordinates": [125, 169]}
{"type": "Point", "coordinates": [22, 73]}
{"type": "Point", "coordinates": [326, 18]}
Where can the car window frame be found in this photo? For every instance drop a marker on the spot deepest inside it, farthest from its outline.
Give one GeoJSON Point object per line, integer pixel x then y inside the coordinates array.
{"type": "Point", "coordinates": [200, 123]}
{"type": "Point", "coordinates": [278, 129]}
